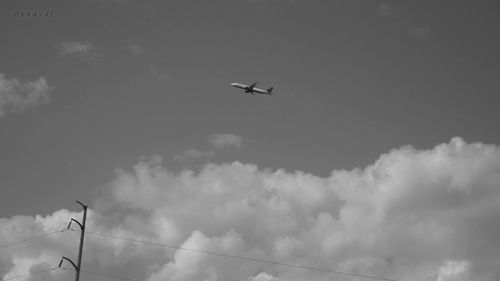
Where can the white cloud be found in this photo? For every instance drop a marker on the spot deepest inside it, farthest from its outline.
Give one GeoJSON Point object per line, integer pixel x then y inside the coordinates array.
{"type": "Point", "coordinates": [220, 141]}
{"type": "Point", "coordinates": [263, 276]}
{"type": "Point", "coordinates": [84, 51]}
{"type": "Point", "coordinates": [157, 74]}
{"type": "Point", "coordinates": [421, 32]}
{"type": "Point", "coordinates": [412, 215]}
{"type": "Point", "coordinates": [119, 1]}
{"type": "Point", "coordinates": [216, 141]}
{"type": "Point", "coordinates": [16, 96]}
{"type": "Point", "coordinates": [193, 154]}
{"type": "Point", "coordinates": [453, 271]}
{"type": "Point", "coordinates": [135, 49]}
{"type": "Point", "coordinates": [384, 9]}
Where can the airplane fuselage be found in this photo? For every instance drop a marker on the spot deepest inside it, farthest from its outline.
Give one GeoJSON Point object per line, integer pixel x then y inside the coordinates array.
{"type": "Point", "coordinates": [250, 89]}
{"type": "Point", "coordinates": [238, 85]}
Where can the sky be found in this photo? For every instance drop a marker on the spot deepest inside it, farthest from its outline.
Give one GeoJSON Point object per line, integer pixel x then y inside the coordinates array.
{"type": "Point", "coordinates": [378, 152]}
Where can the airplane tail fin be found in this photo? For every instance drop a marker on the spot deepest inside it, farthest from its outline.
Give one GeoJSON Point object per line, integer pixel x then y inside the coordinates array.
{"type": "Point", "coordinates": [270, 90]}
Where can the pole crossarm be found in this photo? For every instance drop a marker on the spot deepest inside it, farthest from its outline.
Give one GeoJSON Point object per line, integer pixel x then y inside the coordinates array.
{"type": "Point", "coordinates": [83, 205]}
{"type": "Point", "coordinates": [73, 220]}
{"type": "Point", "coordinates": [72, 263]}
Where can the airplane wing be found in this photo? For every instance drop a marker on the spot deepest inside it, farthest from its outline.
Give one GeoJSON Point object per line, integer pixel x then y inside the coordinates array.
{"type": "Point", "coordinates": [265, 92]}
{"type": "Point", "coordinates": [253, 85]}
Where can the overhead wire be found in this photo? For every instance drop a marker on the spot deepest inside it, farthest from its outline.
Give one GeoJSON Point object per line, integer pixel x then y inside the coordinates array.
{"type": "Point", "coordinates": [101, 274]}
{"type": "Point", "coordinates": [108, 276]}
{"type": "Point", "coordinates": [27, 240]}
{"type": "Point", "coordinates": [184, 249]}
{"type": "Point", "coordinates": [241, 257]}
{"type": "Point", "coordinates": [31, 238]}
{"type": "Point", "coordinates": [31, 273]}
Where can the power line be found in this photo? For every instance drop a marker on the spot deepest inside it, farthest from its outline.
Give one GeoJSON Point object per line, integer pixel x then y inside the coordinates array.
{"type": "Point", "coordinates": [109, 276]}
{"type": "Point", "coordinates": [241, 258]}
{"type": "Point", "coordinates": [185, 249]}
{"type": "Point", "coordinates": [102, 274]}
{"type": "Point", "coordinates": [31, 273]}
{"type": "Point", "coordinates": [31, 238]}
{"type": "Point", "coordinates": [64, 268]}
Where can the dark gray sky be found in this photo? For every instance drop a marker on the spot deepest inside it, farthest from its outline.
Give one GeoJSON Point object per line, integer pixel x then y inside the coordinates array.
{"type": "Point", "coordinates": [103, 85]}
{"type": "Point", "coordinates": [353, 79]}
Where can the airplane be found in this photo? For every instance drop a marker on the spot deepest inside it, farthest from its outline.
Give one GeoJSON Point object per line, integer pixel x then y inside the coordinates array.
{"type": "Point", "coordinates": [252, 90]}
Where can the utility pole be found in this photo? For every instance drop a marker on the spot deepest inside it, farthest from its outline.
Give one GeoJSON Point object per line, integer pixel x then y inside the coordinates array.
{"type": "Point", "coordinates": [78, 266]}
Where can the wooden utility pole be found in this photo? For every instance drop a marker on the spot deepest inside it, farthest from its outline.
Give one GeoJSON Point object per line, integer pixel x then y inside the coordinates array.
{"type": "Point", "coordinates": [78, 265]}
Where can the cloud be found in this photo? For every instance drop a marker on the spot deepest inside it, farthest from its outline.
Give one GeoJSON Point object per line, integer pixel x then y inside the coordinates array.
{"type": "Point", "coordinates": [119, 1]}
{"type": "Point", "coordinates": [135, 49]}
{"type": "Point", "coordinates": [220, 141]}
{"type": "Point", "coordinates": [453, 270]}
{"type": "Point", "coordinates": [157, 74]}
{"type": "Point", "coordinates": [263, 276]}
{"type": "Point", "coordinates": [411, 215]}
{"type": "Point", "coordinates": [16, 96]}
{"type": "Point", "coordinates": [385, 10]}
{"type": "Point", "coordinates": [84, 51]}
{"type": "Point", "coordinates": [217, 141]}
{"type": "Point", "coordinates": [193, 154]}
{"type": "Point", "coordinates": [421, 32]}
